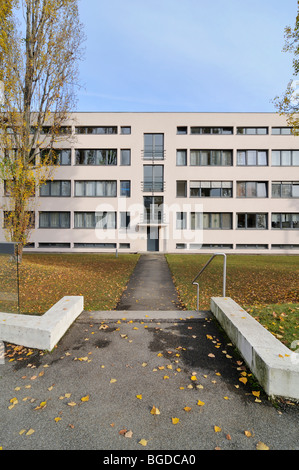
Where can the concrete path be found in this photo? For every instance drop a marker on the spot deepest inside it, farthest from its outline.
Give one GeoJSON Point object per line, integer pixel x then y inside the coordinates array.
{"type": "Point", "coordinates": [150, 286]}
{"type": "Point", "coordinates": [97, 388]}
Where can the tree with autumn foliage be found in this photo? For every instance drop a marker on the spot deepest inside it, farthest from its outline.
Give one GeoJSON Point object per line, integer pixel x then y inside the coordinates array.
{"type": "Point", "coordinates": [40, 47]}
{"type": "Point", "coordinates": [288, 104]}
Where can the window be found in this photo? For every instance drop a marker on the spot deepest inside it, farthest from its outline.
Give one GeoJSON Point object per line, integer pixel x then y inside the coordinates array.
{"type": "Point", "coordinates": [56, 157]}
{"type": "Point", "coordinates": [211, 157]}
{"type": "Point", "coordinates": [54, 220]}
{"type": "Point", "coordinates": [254, 221]}
{"type": "Point", "coordinates": [181, 188]}
{"type": "Point", "coordinates": [252, 157]}
{"type": "Point", "coordinates": [95, 188]}
{"type": "Point", "coordinates": [285, 157]}
{"type": "Point", "coordinates": [96, 157]}
{"type": "Point", "coordinates": [8, 219]}
{"type": "Point", "coordinates": [211, 188]}
{"type": "Point", "coordinates": [181, 130]}
{"type": "Point", "coordinates": [96, 130]}
{"type": "Point", "coordinates": [252, 189]}
{"type": "Point", "coordinates": [285, 189]}
{"type": "Point", "coordinates": [55, 189]}
{"type": "Point", "coordinates": [153, 178]}
{"type": "Point", "coordinates": [54, 245]}
{"type": "Point", "coordinates": [154, 146]}
{"type": "Point", "coordinates": [181, 220]}
{"type": "Point", "coordinates": [125, 219]}
{"type": "Point", "coordinates": [181, 157]}
{"type": "Point", "coordinates": [212, 130]}
{"type": "Point", "coordinates": [125, 188]}
{"type": "Point", "coordinates": [211, 220]}
{"type": "Point", "coordinates": [285, 221]}
{"type": "Point", "coordinates": [281, 131]}
{"type": "Point", "coordinates": [95, 245]}
{"type": "Point", "coordinates": [104, 220]}
{"type": "Point", "coordinates": [125, 157]}
{"type": "Point", "coordinates": [153, 208]}
{"type": "Point", "coordinates": [252, 130]}
{"type": "Point", "coordinates": [126, 130]}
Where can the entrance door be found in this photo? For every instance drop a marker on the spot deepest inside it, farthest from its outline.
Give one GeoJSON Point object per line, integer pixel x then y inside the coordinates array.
{"type": "Point", "coordinates": [152, 238]}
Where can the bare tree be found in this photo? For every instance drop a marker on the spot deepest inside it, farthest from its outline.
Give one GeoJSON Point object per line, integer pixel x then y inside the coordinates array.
{"type": "Point", "coordinates": [39, 62]}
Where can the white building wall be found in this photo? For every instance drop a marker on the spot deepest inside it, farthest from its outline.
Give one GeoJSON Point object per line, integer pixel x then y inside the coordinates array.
{"type": "Point", "coordinates": [167, 123]}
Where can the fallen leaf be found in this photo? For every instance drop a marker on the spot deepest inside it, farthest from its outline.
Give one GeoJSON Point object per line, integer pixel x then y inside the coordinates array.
{"type": "Point", "coordinates": [129, 434]}
{"type": "Point", "coordinates": [143, 442]}
{"type": "Point", "coordinates": [247, 433]}
{"type": "Point", "coordinates": [112, 381]}
{"type": "Point", "coordinates": [211, 355]}
{"type": "Point", "coordinates": [187, 408]}
{"type": "Point", "coordinates": [86, 398]}
{"type": "Point", "coordinates": [228, 437]}
{"type": "Point", "coordinates": [139, 397]}
{"type": "Point", "coordinates": [155, 411]}
{"type": "Point", "coordinates": [193, 377]}
{"type": "Point", "coordinates": [217, 429]}
{"type": "Point", "coordinates": [31, 431]}
{"type": "Point", "coordinates": [256, 394]}
{"type": "Point", "coordinates": [175, 420]}
{"type": "Point", "coordinates": [243, 380]}
{"type": "Point", "coordinates": [200, 403]}
{"type": "Point", "coordinates": [261, 446]}
{"type": "Point", "coordinates": [72, 403]}
{"type": "Point", "coordinates": [57, 419]}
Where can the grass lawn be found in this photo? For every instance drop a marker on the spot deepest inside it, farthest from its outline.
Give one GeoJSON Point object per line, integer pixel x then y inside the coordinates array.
{"type": "Point", "coordinates": [265, 286]}
{"type": "Point", "coordinates": [46, 278]}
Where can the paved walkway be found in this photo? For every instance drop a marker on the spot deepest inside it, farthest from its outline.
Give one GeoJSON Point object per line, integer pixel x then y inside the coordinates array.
{"type": "Point", "coordinates": [150, 286]}
{"type": "Point", "coordinates": [110, 370]}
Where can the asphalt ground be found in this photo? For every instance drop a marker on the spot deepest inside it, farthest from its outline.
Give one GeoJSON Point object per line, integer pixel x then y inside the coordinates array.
{"type": "Point", "coordinates": [98, 388]}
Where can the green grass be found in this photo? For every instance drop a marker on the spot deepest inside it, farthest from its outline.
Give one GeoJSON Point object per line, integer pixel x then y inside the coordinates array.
{"type": "Point", "coordinates": [46, 278]}
{"type": "Point", "coordinates": [260, 284]}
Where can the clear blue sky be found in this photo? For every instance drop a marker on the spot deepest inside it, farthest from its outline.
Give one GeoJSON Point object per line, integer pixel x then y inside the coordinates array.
{"type": "Point", "coordinates": [184, 55]}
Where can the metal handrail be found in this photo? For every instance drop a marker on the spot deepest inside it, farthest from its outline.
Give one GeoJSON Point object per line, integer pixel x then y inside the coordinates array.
{"type": "Point", "coordinates": [201, 271]}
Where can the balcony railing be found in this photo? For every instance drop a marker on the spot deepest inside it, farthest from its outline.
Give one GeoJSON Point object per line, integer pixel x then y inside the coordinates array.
{"type": "Point", "coordinates": [153, 154]}
{"type": "Point", "coordinates": [153, 186]}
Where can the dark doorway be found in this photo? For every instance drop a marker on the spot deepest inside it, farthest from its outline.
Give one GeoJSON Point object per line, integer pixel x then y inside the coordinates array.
{"type": "Point", "coordinates": [152, 238]}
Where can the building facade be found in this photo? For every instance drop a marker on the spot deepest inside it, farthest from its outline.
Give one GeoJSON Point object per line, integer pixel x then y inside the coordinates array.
{"type": "Point", "coordinates": [172, 182]}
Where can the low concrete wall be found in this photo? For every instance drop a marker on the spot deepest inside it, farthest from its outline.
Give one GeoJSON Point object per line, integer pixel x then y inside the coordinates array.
{"type": "Point", "coordinates": [41, 332]}
{"type": "Point", "coordinates": [274, 365]}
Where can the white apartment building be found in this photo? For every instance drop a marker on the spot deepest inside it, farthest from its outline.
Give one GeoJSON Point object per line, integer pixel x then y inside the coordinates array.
{"type": "Point", "coordinates": [172, 182]}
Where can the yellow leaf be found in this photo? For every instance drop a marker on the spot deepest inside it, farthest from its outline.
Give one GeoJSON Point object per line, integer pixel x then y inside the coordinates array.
{"type": "Point", "coordinates": [31, 431]}
{"type": "Point", "coordinates": [22, 432]}
{"type": "Point", "coordinates": [165, 377]}
{"type": "Point", "coordinates": [139, 397]}
{"type": "Point", "coordinates": [57, 419]}
{"type": "Point", "coordinates": [143, 442]}
{"type": "Point", "coordinates": [256, 394]}
{"type": "Point", "coordinates": [217, 429]}
{"type": "Point", "coordinates": [86, 398]}
{"type": "Point", "coordinates": [200, 403]}
{"type": "Point", "coordinates": [112, 381]}
{"type": "Point", "coordinates": [155, 411]}
{"type": "Point", "coordinates": [14, 400]}
{"type": "Point", "coordinates": [175, 420]}
{"type": "Point", "coordinates": [247, 433]}
{"type": "Point", "coordinates": [41, 405]}
{"type": "Point", "coordinates": [160, 355]}
{"type": "Point", "coordinates": [243, 380]}
{"type": "Point", "coordinates": [187, 408]}
{"type": "Point", "coordinates": [193, 377]}
{"type": "Point", "coordinates": [261, 446]}
{"type": "Point", "coordinates": [72, 403]}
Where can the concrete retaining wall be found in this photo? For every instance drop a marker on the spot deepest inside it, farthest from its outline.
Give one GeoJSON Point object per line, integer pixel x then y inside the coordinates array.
{"type": "Point", "coordinates": [274, 365]}
{"type": "Point", "coordinates": [41, 332]}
